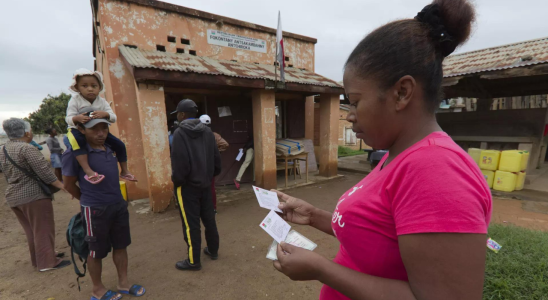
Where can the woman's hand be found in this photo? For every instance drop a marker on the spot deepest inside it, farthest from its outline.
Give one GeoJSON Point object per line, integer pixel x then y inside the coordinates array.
{"type": "Point", "coordinates": [58, 184]}
{"type": "Point", "coordinates": [83, 118]}
{"type": "Point", "coordinates": [99, 114]}
{"type": "Point", "coordinates": [295, 210]}
{"type": "Point", "coordinates": [298, 263]}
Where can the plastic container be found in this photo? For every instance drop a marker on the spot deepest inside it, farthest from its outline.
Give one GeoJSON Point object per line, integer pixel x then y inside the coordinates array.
{"type": "Point", "coordinates": [123, 189]}
{"type": "Point", "coordinates": [511, 161]}
{"type": "Point", "coordinates": [489, 176]}
{"type": "Point", "coordinates": [524, 160]}
{"type": "Point", "coordinates": [489, 160]}
{"type": "Point", "coordinates": [505, 181]}
{"type": "Point", "coordinates": [475, 153]}
{"type": "Point", "coordinates": [520, 181]}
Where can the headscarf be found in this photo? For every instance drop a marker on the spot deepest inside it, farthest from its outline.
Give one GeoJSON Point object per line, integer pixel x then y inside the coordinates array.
{"type": "Point", "coordinates": [85, 72]}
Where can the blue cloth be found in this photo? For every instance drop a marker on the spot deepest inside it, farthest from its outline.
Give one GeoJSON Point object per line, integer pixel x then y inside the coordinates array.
{"type": "Point", "coordinates": [66, 142]}
{"type": "Point", "coordinates": [170, 139]}
{"type": "Point", "coordinates": [35, 144]}
{"type": "Point", "coordinates": [56, 160]}
{"type": "Point", "coordinates": [103, 162]}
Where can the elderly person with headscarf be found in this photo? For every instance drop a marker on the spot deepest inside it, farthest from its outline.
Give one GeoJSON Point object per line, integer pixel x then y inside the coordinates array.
{"type": "Point", "coordinates": [32, 207]}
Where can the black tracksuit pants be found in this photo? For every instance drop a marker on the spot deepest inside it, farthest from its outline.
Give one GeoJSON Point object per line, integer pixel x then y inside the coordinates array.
{"type": "Point", "coordinates": [196, 204]}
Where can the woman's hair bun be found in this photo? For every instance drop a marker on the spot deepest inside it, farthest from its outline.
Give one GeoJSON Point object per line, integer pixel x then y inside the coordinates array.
{"type": "Point", "coordinates": [457, 16]}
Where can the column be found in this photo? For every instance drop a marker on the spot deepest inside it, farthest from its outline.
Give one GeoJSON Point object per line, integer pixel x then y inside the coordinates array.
{"type": "Point", "coordinates": [309, 118]}
{"type": "Point", "coordinates": [264, 135]}
{"type": "Point", "coordinates": [153, 118]}
{"type": "Point", "coordinates": [329, 117]}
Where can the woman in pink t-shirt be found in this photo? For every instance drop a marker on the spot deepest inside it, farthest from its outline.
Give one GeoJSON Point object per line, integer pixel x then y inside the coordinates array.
{"type": "Point", "coordinates": [415, 228]}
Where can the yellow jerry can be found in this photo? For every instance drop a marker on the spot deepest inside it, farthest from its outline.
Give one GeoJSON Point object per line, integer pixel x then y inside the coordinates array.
{"type": "Point", "coordinates": [489, 176]}
{"type": "Point", "coordinates": [520, 181]}
{"type": "Point", "coordinates": [123, 189]}
{"type": "Point", "coordinates": [511, 161]}
{"type": "Point", "coordinates": [505, 181]}
{"type": "Point", "coordinates": [524, 160]}
{"type": "Point", "coordinates": [475, 153]}
{"type": "Point", "coordinates": [489, 160]}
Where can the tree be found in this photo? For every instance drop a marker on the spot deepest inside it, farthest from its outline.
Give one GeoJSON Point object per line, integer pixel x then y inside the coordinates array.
{"type": "Point", "coordinates": [50, 114]}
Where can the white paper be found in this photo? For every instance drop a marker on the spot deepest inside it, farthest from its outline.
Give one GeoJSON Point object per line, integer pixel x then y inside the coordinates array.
{"type": "Point", "coordinates": [275, 226]}
{"type": "Point", "coordinates": [294, 238]}
{"type": "Point", "coordinates": [224, 111]}
{"type": "Point", "coordinates": [239, 157]}
{"type": "Point", "coordinates": [267, 199]}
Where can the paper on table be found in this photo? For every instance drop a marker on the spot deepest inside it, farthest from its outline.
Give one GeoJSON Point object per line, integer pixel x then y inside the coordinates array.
{"type": "Point", "coordinates": [275, 226]}
{"type": "Point", "coordinates": [239, 157]}
{"type": "Point", "coordinates": [294, 238]}
{"type": "Point", "coordinates": [267, 199]}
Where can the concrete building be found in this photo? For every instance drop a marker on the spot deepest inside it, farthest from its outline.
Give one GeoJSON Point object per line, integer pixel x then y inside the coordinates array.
{"type": "Point", "coordinates": [346, 137]}
{"type": "Point", "coordinates": [509, 83]}
{"type": "Point", "coordinates": [153, 54]}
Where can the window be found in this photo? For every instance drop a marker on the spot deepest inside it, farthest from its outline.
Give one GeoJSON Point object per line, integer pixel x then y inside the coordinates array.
{"type": "Point", "coordinates": [192, 52]}
{"type": "Point", "coordinates": [185, 42]}
{"type": "Point", "coordinates": [161, 48]}
{"type": "Point", "coordinates": [179, 50]}
{"type": "Point", "coordinates": [171, 39]}
{"type": "Point", "coordinates": [349, 137]}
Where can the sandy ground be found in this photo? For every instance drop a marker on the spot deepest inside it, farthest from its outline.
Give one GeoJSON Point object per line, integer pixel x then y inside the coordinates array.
{"type": "Point", "coordinates": [242, 271]}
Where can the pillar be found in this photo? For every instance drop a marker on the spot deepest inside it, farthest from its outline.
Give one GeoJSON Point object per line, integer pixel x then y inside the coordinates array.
{"type": "Point", "coordinates": [264, 136]}
{"type": "Point", "coordinates": [309, 118]}
{"type": "Point", "coordinates": [153, 117]}
{"type": "Point", "coordinates": [329, 118]}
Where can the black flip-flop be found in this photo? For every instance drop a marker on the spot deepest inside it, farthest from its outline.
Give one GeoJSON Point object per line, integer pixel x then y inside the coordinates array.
{"type": "Point", "coordinates": [62, 264]}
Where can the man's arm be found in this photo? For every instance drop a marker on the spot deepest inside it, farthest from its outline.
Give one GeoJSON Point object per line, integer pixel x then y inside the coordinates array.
{"type": "Point", "coordinates": [71, 187]}
{"type": "Point", "coordinates": [180, 164]}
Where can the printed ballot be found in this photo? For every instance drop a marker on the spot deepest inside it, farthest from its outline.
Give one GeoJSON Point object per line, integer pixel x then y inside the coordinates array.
{"type": "Point", "coordinates": [240, 155]}
{"type": "Point", "coordinates": [267, 199]}
{"type": "Point", "coordinates": [294, 238]}
{"type": "Point", "coordinates": [275, 226]}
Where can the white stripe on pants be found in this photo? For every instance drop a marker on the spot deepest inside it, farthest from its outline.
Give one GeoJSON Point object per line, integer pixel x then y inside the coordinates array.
{"type": "Point", "coordinates": [247, 161]}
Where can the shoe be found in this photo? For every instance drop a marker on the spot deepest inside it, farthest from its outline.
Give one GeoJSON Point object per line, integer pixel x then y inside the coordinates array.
{"type": "Point", "coordinates": [59, 254]}
{"type": "Point", "coordinates": [237, 184]}
{"type": "Point", "coordinates": [62, 264]}
{"type": "Point", "coordinates": [185, 265]}
{"type": "Point", "coordinates": [213, 257]}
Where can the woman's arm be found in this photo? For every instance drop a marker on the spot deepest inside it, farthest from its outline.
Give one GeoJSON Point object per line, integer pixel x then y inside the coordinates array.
{"type": "Point", "coordinates": [439, 266]}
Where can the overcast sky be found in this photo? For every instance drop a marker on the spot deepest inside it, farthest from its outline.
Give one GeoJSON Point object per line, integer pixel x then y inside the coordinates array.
{"type": "Point", "coordinates": [43, 42]}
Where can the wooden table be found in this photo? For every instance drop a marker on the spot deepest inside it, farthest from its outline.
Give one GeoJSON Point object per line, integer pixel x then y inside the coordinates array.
{"type": "Point", "coordinates": [294, 158]}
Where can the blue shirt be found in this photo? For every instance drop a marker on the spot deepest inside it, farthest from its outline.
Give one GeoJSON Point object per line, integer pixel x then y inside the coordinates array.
{"type": "Point", "coordinates": [103, 162]}
{"type": "Point", "coordinates": [35, 144]}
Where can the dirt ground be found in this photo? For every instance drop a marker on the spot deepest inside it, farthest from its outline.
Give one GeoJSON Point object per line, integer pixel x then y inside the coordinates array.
{"type": "Point", "coordinates": [242, 271]}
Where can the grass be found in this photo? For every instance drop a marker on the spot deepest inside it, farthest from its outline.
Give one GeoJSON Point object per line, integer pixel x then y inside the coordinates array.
{"type": "Point", "coordinates": [344, 151]}
{"type": "Point", "coordinates": [520, 269]}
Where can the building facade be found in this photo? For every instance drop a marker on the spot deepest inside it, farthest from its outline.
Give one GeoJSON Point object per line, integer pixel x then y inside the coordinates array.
{"type": "Point", "coordinates": [154, 54]}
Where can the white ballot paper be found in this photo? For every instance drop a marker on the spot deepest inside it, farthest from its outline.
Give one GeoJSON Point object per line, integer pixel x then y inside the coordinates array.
{"type": "Point", "coordinates": [267, 199]}
{"type": "Point", "coordinates": [275, 226]}
{"type": "Point", "coordinates": [294, 238]}
{"type": "Point", "coordinates": [239, 157]}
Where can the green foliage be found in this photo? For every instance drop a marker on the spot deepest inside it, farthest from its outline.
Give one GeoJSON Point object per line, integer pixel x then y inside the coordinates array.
{"type": "Point", "coordinates": [344, 151]}
{"type": "Point", "coordinates": [50, 114]}
{"type": "Point", "coordinates": [520, 269]}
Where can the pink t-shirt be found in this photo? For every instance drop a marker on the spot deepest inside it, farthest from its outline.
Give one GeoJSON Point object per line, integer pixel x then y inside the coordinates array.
{"type": "Point", "coordinates": [434, 186]}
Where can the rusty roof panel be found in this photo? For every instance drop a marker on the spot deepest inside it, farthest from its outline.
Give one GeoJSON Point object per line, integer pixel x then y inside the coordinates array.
{"type": "Point", "coordinates": [498, 58]}
{"type": "Point", "coordinates": [183, 62]}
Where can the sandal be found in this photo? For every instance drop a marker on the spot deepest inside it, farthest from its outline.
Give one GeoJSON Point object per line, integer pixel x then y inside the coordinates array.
{"type": "Point", "coordinates": [129, 177]}
{"type": "Point", "coordinates": [133, 291]}
{"type": "Point", "coordinates": [109, 295]}
{"type": "Point", "coordinates": [99, 178]}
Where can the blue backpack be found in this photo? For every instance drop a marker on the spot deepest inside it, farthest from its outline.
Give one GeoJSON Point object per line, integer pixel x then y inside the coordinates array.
{"type": "Point", "coordinates": [76, 234]}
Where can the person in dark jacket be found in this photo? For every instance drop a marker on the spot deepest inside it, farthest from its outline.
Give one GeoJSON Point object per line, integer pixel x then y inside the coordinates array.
{"type": "Point", "coordinates": [195, 160]}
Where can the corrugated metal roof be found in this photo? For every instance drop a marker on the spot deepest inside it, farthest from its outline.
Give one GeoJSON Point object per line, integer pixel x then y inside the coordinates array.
{"type": "Point", "coordinates": [183, 62]}
{"type": "Point", "coordinates": [497, 58]}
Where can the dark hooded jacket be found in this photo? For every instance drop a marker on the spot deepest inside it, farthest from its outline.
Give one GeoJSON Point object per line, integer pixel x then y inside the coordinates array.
{"type": "Point", "coordinates": [195, 159]}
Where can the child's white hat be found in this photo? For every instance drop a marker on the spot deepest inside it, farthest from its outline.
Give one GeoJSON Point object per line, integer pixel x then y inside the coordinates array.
{"type": "Point", "coordinates": [84, 72]}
